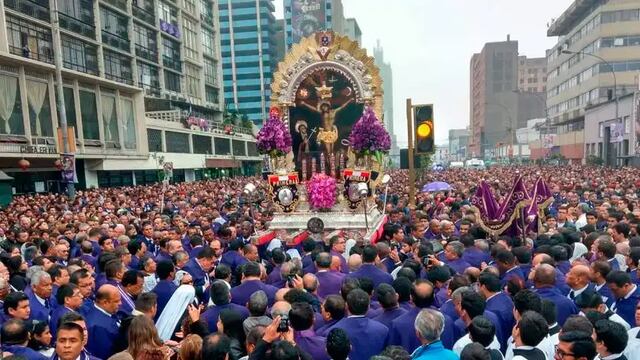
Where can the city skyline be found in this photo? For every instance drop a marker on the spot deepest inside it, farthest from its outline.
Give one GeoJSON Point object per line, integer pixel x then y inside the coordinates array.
{"type": "Point", "coordinates": [468, 33]}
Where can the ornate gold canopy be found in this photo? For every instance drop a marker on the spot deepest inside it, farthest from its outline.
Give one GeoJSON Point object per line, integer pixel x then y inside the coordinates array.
{"type": "Point", "coordinates": [327, 51]}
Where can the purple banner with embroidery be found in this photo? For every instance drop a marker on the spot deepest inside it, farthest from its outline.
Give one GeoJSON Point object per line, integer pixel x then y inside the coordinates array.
{"type": "Point", "coordinates": [541, 198]}
{"type": "Point", "coordinates": [496, 218]}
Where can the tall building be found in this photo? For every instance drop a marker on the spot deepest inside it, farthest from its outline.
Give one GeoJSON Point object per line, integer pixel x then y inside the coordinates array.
{"type": "Point", "coordinates": [352, 30]}
{"type": "Point", "coordinates": [247, 29]}
{"type": "Point", "coordinates": [593, 36]}
{"type": "Point", "coordinates": [387, 87]}
{"type": "Point", "coordinates": [133, 75]}
{"type": "Point", "coordinates": [305, 17]}
{"type": "Point", "coordinates": [498, 107]}
{"type": "Point", "coordinates": [458, 144]}
{"type": "Point", "coordinates": [532, 74]}
{"type": "Point", "coordinates": [279, 46]}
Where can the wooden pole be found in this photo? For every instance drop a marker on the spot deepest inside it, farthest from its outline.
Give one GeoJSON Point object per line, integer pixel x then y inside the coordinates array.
{"type": "Point", "coordinates": [412, 170]}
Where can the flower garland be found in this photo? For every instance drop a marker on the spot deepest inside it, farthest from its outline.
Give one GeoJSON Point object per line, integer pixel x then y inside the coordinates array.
{"type": "Point", "coordinates": [274, 137]}
{"type": "Point", "coordinates": [321, 191]}
{"type": "Point", "coordinates": [369, 137]}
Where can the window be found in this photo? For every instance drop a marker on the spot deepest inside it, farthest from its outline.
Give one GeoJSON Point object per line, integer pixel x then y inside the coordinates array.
{"type": "Point", "coordinates": [109, 119]}
{"type": "Point", "coordinates": [77, 16]}
{"type": "Point", "coordinates": [89, 113]}
{"type": "Point", "coordinates": [29, 40]}
{"type": "Point", "coordinates": [201, 144]}
{"type": "Point", "coordinates": [171, 81]}
{"type": "Point", "coordinates": [238, 148]}
{"type": "Point", "coordinates": [222, 146]}
{"type": "Point", "coordinates": [146, 43]}
{"type": "Point", "coordinates": [128, 123]}
{"type": "Point", "coordinates": [193, 81]}
{"type": "Point", "coordinates": [177, 142]}
{"type": "Point", "coordinates": [171, 54]}
{"type": "Point", "coordinates": [601, 130]}
{"type": "Point", "coordinates": [117, 67]}
{"type": "Point", "coordinates": [39, 108]}
{"type": "Point", "coordinates": [620, 15]}
{"type": "Point", "coordinates": [627, 125]}
{"type": "Point", "coordinates": [212, 94]}
{"type": "Point", "coordinates": [167, 13]}
{"type": "Point", "coordinates": [79, 56]}
{"type": "Point", "coordinates": [70, 107]}
{"type": "Point", "coordinates": [114, 29]}
{"type": "Point", "coordinates": [154, 140]}
{"type": "Point", "coordinates": [190, 39]}
{"type": "Point", "coordinates": [11, 106]}
{"type": "Point", "coordinates": [206, 11]}
{"type": "Point", "coordinates": [190, 6]}
{"type": "Point", "coordinates": [210, 73]}
{"type": "Point", "coordinates": [208, 46]}
{"type": "Point", "coordinates": [148, 76]}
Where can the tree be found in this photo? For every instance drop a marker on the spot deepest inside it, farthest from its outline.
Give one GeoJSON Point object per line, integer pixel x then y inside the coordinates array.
{"type": "Point", "coordinates": [595, 160]}
{"type": "Point", "coordinates": [230, 117]}
{"type": "Point", "coordinates": [424, 161]}
{"type": "Point", "coordinates": [246, 123]}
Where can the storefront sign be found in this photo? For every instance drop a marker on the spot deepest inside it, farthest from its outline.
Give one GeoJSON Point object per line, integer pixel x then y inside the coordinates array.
{"type": "Point", "coordinates": [38, 149]}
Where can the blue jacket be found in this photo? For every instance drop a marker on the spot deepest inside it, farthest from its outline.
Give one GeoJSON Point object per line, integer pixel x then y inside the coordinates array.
{"type": "Point", "coordinates": [38, 311]}
{"type": "Point", "coordinates": [626, 308]}
{"type": "Point", "coordinates": [241, 293]}
{"type": "Point", "coordinates": [434, 351]}
{"type": "Point", "coordinates": [402, 331]}
{"type": "Point", "coordinates": [200, 279]}
{"type": "Point", "coordinates": [24, 351]}
{"type": "Point", "coordinates": [210, 316]}
{"type": "Point", "coordinates": [103, 333]}
{"type": "Point", "coordinates": [55, 317]}
{"type": "Point", "coordinates": [371, 272]}
{"type": "Point", "coordinates": [565, 306]}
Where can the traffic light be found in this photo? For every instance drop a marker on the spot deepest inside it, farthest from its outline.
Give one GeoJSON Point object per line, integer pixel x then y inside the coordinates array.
{"type": "Point", "coordinates": [424, 129]}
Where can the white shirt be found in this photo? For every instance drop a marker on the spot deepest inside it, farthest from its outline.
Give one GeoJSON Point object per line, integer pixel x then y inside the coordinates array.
{"type": "Point", "coordinates": [545, 345]}
{"type": "Point", "coordinates": [577, 292]}
{"type": "Point", "coordinates": [633, 345]}
{"type": "Point", "coordinates": [466, 340]}
{"type": "Point", "coordinates": [610, 357]}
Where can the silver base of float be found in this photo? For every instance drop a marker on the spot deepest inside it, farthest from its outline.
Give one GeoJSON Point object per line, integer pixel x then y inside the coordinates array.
{"type": "Point", "coordinates": [352, 223]}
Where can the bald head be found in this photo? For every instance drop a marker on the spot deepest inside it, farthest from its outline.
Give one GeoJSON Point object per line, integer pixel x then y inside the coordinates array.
{"type": "Point", "coordinates": [310, 282]}
{"type": "Point", "coordinates": [281, 293]}
{"type": "Point", "coordinates": [280, 308]}
{"type": "Point", "coordinates": [541, 258]}
{"type": "Point", "coordinates": [422, 294]}
{"type": "Point", "coordinates": [355, 261]}
{"type": "Point", "coordinates": [108, 298]}
{"type": "Point", "coordinates": [579, 276]}
{"type": "Point", "coordinates": [335, 263]}
{"type": "Point", "coordinates": [545, 275]}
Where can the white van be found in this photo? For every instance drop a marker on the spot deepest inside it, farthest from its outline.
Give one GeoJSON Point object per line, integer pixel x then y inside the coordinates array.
{"type": "Point", "coordinates": [456, 165]}
{"type": "Point", "coordinates": [476, 164]}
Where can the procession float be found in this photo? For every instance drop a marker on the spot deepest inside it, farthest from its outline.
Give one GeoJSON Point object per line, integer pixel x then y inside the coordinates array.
{"type": "Point", "coordinates": [324, 142]}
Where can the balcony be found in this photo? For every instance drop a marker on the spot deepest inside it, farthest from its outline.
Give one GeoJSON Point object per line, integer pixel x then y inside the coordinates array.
{"type": "Point", "coordinates": [124, 77]}
{"type": "Point", "coordinates": [77, 26]}
{"type": "Point", "coordinates": [171, 63]}
{"type": "Point", "coordinates": [86, 67]}
{"type": "Point", "coordinates": [146, 53]}
{"type": "Point", "coordinates": [44, 54]}
{"type": "Point", "coordinates": [38, 9]}
{"type": "Point", "coordinates": [144, 14]}
{"type": "Point", "coordinates": [120, 4]}
{"type": "Point", "coordinates": [116, 41]}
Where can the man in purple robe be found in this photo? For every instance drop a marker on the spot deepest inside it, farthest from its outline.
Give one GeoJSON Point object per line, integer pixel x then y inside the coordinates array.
{"type": "Point", "coordinates": [199, 268]}
{"type": "Point", "coordinates": [337, 244]}
{"type": "Point", "coordinates": [369, 270]}
{"type": "Point", "coordinates": [472, 254]}
{"type": "Point", "coordinates": [333, 310]}
{"type": "Point", "coordinates": [545, 286]}
{"type": "Point", "coordinates": [453, 255]}
{"type": "Point", "coordinates": [165, 287]}
{"type": "Point", "coordinates": [301, 319]}
{"type": "Point", "coordinates": [388, 299]}
{"type": "Point", "coordinates": [368, 337]}
{"type": "Point", "coordinates": [329, 281]}
{"type": "Point", "coordinates": [506, 262]}
{"type": "Point", "coordinates": [497, 302]}
{"type": "Point", "coordinates": [221, 298]}
{"type": "Point", "coordinates": [251, 283]}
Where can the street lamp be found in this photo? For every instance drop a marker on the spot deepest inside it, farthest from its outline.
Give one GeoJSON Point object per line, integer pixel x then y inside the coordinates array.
{"type": "Point", "coordinates": [615, 81]}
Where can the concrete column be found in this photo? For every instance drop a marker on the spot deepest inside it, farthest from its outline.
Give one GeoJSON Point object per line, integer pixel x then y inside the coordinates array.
{"type": "Point", "coordinates": [91, 177]}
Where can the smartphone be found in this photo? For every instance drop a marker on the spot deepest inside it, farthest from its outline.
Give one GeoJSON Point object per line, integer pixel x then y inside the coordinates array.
{"type": "Point", "coordinates": [284, 324]}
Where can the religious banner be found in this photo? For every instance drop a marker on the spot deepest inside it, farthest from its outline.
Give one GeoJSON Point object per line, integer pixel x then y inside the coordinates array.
{"type": "Point", "coordinates": [307, 17]}
{"type": "Point", "coordinates": [495, 218]}
{"type": "Point", "coordinates": [69, 168]}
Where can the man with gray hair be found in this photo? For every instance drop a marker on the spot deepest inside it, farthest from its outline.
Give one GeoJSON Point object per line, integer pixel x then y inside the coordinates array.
{"type": "Point", "coordinates": [453, 257]}
{"type": "Point", "coordinates": [257, 306]}
{"type": "Point", "coordinates": [39, 297]}
{"type": "Point", "coordinates": [429, 325]}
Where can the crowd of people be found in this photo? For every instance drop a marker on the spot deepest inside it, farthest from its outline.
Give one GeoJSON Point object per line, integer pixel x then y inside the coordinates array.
{"type": "Point", "coordinates": [153, 272]}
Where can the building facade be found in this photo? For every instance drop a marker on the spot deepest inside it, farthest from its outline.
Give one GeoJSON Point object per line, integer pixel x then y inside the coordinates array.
{"type": "Point", "coordinates": [596, 59]}
{"type": "Point", "coordinates": [121, 61]}
{"type": "Point", "coordinates": [498, 106]}
{"type": "Point", "coordinates": [352, 30]}
{"type": "Point", "coordinates": [458, 144]}
{"type": "Point", "coordinates": [386, 73]}
{"type": "Point", "coordinates": [532, 74]}
{"type": "Point", "coordinates": [599, 138]}
{"type": "Point", "coordinates": [304, 17]}
{"type": "Point", "coordinates": [247, 29]}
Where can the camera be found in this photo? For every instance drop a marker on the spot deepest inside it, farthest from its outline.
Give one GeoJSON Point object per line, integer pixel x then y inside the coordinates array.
{"type": "Point", "coordinates": [395, 246]}
{"type": "Point", "coordinates": [284, 324]}
{"type": "Point", "coordinates": [426, 261]}
{"type": "Point", "coordinates": [290, 278]}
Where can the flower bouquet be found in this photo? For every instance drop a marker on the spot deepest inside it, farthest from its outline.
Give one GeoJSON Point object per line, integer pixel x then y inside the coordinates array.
{"type": "Point", "coordinates": [321, 190]}
{"type": "Point", "coordinates": [274, 138]}
{"type": "Point", "coordinates": [369, 137]}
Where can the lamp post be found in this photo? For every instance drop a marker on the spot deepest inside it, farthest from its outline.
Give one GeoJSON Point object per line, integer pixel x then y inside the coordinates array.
{"type": "Point", "coordinates": [615, 83]}
{"type": "Point", "coordinates": [57, 56]}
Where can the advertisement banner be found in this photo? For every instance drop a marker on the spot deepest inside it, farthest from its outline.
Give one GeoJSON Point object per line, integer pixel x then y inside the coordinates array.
{"type": "Point", "coordinates": [307, 17]}
{"type": "Point", "coordinates": [617, 132]}
{"type": "Point", "coordinates": [69, 168]}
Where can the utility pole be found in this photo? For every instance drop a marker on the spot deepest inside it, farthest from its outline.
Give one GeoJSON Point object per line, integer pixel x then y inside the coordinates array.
{"type": "Point", "coordinates": [412, 170]}
{"type": "Point", "coordinates": [57, 55]}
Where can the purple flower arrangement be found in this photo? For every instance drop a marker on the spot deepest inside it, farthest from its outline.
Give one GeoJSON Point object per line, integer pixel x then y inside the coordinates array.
{"type": "Point", "coordinates": [274, 137]}
{"type": "Point", "coordinates": [321, 190]}
{"type": "Point", "coordinates": [368, 136]}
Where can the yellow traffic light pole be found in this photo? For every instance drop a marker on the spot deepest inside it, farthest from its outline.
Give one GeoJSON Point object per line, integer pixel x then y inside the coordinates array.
{"type": "Point", "coordinates": [412, 170]}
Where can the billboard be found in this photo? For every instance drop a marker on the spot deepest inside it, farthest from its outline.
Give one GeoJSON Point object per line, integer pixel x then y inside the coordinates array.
{"type": "Point", "coordinates": [307, 17]}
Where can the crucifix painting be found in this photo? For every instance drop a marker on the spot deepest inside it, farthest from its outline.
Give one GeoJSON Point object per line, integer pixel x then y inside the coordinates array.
{"type": "Point", "coordinates": [323, 116]}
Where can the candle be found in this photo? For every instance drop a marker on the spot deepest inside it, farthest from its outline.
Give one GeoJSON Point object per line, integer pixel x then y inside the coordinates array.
{"type": "Point", "coordinates": [304, 169]}
{"type": "Point", "coordinates": [323, 161]}
{"type": "Point", "coordinates": [332, 164]}
{"type": "Point", "coordinates": [313, 166]}
{"type": "Point", "coordinates": [342, 164]}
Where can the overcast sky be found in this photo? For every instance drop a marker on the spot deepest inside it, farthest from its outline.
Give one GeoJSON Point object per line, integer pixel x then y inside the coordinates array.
{"type": "Point", "coordinates": [429, 44]}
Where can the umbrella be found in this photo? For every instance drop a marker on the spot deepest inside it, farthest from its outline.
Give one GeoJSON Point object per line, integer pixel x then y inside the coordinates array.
{"type": "Point", "coordinates": [436, 186]}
